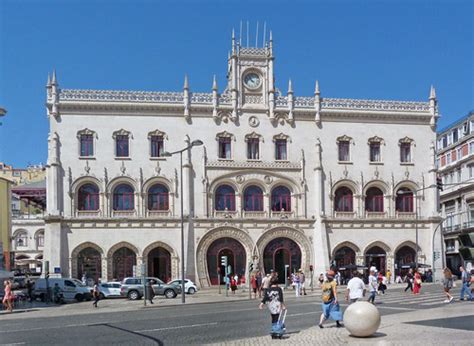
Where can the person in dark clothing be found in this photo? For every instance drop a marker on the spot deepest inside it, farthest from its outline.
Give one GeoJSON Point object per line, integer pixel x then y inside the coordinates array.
{"type": "Point", "coordinates": [409, 280]}
{"type": "Point", "coordinates": [95, 295]}
{"type": "Point", "coordinates": [29, 289]}
{"type": "Point", "coordinates": [274, 297]}
{"type": "Point", "coordinates": [150, 293]}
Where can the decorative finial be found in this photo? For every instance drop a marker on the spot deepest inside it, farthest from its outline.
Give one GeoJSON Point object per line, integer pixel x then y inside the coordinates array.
{"type": "Point", "coordinates": [271, 36]}
{"type": "Point", "coordinates": [214, 83]}
{"type": "Point", "coordinates": [49, 81]}
{"type": "Point", "coordinates": [316, 88]}
{"type": "Point", "coordinates": [432, 93]}
{"type": "Point", "coordinates": [186, 83]}
{"type": "Point", "coordinates": [54, 81]}
{"type": "Point", "coordinates": [233, 34]}
{"type": "Point", "coordinates": [290, 87]}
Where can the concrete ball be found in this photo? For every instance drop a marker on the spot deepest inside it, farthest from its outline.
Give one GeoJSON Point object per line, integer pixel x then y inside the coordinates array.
{"type": "Point", "coordinates": [362, 319]}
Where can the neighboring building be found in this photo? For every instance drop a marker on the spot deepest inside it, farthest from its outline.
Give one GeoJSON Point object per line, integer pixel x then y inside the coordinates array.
{"type": "Point", "coordinates": [281, 180]}
{"type": "Point", "coordinates": [20, 176]}
{"type": "Point", "coordinates": [455, 160]}
{"type": "Point", "coordinates": [5, 224]}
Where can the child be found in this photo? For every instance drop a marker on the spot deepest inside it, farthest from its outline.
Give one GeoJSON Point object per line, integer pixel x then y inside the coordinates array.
{"type": "Point", "coordinates": [274, 297]}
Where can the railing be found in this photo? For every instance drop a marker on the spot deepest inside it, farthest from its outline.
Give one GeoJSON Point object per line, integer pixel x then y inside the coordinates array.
{"type": "Point", "coordinates": [226, 214]}
{"type": "Point", "coordinates": [405, 215]}
{"type": "Point", "coordinates": [158, 213]}
{"type": "Point", "coordinates": [123, 213]}
{"type": "Point", "coordinates": [344, 214]}
{"type": "Point", "coordinates": [254, 214]}
{"type": "Point", "coordinates": [282, 214]}
{"type": "Point", "coordinates": [87, 213]}
{"type": "Point", "coordinates": [378, 105]}
{"type": "Point", "coordinates": [375, 214]}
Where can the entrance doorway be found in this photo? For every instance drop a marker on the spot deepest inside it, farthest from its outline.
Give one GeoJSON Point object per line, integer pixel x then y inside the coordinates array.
{"type": "Point", "coordinates": [236, 258]}
{"type": "Point", "coordinates": [89, 263]}
{"type": "Point", "coordinates": [281, 252]}
{"type": "Point", "coordinates": [344, 258]}
{"type": "Point", "coordinates": [159, 264]}
{"type": "Point", "coordinates": [376, 257]}
{"type": "Point", "coordinates": [123, 261]}
{"type": "Point", "coordinates": [405, 255]}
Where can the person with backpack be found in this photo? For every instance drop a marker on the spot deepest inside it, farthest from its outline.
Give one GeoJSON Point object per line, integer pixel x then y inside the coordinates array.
{"type": "Point", "coordinates": [274, 297]}
{"type": "Point", "coordinates": [330, 304]}
{"type": "Point", "coordinates": [466, 283]}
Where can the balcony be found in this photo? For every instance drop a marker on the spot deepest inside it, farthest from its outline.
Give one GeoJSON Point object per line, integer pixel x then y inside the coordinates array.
{"type": "Point", "coordinates": [254, 214]}
{"type": "Point", "coordinates": [405, 215]}
{"type": "Point", "coordinates": [123, 213]}
{"type": "Point", "coordinates": [375, 214]}
{"type": "Point", "coordinates": [158, 213]}
{"type": "Point", "coordinates": [226, 214]}
{"type": "Point", "coordinates": [344, 214]}
{"type": "Point", "coordinates": [282, 214]}
{"type": "Point", "coordinates": [87, 213]}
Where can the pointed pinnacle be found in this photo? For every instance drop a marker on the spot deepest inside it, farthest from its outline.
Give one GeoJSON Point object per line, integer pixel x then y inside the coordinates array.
{"type": "Point", "coordinates": [48, 83]}
{"type": "Point", "coordinates": [214, 83]}
{"type": "Point", "coordinates": [271, 36]}
{"type": "Point", "coordinates": [290, 86]}
{"type": "Point", "coordinates": [54, 77]}
{"type": "Point", "coordinates": [432, 92]}
{"type": "Point", "coordinates": [233, 34]}
{"type": "Point", "coordinates": [316, 88]}
{"type": "Point", "coordinates": [186, 83]}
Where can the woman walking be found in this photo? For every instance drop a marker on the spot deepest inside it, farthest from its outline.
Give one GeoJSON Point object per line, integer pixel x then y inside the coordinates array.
{"type": "Point", "coordinates": [448, 284]}
{"type": "Point", "coordinates": [8, 298]}
{"type": "Point", "coordinates": [253, 284]}
{"type": "Point", "coordinates": [95, 295]}
{"type": "Point", "coordinates": [330, 304]}
{"type": "Point", "coordinates": [274, 297]}
{"type": "Point", "coordinates": [417, 282]}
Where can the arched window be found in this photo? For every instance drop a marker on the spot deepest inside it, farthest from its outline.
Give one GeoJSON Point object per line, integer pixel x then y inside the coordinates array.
{"type": "Point", "coordinates": [21, 239]}
{"type": "Point", "coordinates": [404, 200]}
{"type": "Point", "coordinates": [88, 197]}
{"type": "Point", "coordinates": [253, 198]}
{"type": "Point", "coordinates": [123, 198]}
{"type": "Point", "coordinates": [225, 198]}
{"type": "Point", "coordinates": [158, 197]}
{"type": "Point", "coordinates": [343, 199]}
{"type": "Point", "coordinates": [374, 200]}
{"type": "Point", "coordinates": [39, 239]}
{"type": "Point", "coordinates": [281, 199]}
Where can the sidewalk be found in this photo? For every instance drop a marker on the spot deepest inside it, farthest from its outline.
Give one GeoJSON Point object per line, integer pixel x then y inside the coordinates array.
{"type": "Point", "coordinates": [395, 329]}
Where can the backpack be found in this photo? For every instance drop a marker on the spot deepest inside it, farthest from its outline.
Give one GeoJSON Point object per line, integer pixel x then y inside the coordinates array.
{"type": "Point", "coordinates": [327, 294]}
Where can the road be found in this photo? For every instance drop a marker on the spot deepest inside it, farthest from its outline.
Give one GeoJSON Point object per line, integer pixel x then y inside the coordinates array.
{"type": "Point", "coordinates": [189, 324]}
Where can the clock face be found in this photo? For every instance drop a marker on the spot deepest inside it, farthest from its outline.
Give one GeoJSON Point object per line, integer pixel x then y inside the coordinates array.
{"type": "Point", "coordinates": [252, 80]}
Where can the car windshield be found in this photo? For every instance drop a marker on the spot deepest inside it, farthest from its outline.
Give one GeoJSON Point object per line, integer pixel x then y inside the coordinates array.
{"type": "Point", "coordinates": [78, 283]}
{"type": "Point", "coordinates": [158, 282]}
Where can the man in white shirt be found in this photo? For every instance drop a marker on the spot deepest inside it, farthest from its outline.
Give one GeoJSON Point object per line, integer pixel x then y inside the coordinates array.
{"type": "Point", "coordinates": [355, 288]}
{"type": "Point", "coordinates": [372, 286]}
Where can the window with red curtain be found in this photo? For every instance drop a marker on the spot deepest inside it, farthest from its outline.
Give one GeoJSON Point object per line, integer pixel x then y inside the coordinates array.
{"type": "Point", "coordinates": [225, 198]}
{"type": "Point", "coordinates": [405, 152]}
{"type": "Point", "coordinates": [253, 148]}
{"type": "Point", "coordinates": [404, 200]}
{"type": "Point", "coordinates": [156, 146]}
{"type": "Point", "coordinates": [225, 148]}
{"type": "Point", "coordinates": [374, 200]}
{"type": "Point", "coordinates": [158, 197]}
{"type": "Point", "coordinates": [88, 197]}
{"type": "Point", "coordinates": [122, 148]}
{"type": "Point", "coordinates": [87, 145]}
{"type": "Point", "coordinates": [123, 198]}
{"type": "Point", "coordinates": [343, 199]}
{"type": "Point", "coordinates": [253, 199]}
{"type": "Point", "coordinates": [343, 154]}
{"type": "Point", "coordinates": [280, 149]}
{"type": "Point", "coordinates": [281, 199]}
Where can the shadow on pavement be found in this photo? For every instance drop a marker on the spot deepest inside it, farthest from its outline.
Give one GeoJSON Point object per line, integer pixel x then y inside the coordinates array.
{"type": "Point", "coordinates": [157, 341]}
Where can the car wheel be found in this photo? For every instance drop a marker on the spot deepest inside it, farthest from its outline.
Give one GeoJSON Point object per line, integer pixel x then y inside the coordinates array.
{"type": "Point", "coordinates": [101, 296]}
{"type": "Point", "coordinates": [191, 290]}
{"type": "Point", "coordinates": [170, 294]}
{"type": "Point", "coordinates": [133, 295]}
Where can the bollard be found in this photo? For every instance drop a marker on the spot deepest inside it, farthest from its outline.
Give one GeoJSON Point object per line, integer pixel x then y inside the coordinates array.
{"type": "Point", "coordinates": [362, 319]}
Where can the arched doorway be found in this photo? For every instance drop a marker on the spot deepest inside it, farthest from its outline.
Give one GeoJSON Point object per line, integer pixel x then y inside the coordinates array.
{"type": "Point", "coordinates": [344, 259]}
{"type": "Point", "coordinates": [236, 258]}
{"type": "Point", "coordinates": [376, 257]}
{"type": "Point", "coordinates": [404, 256]}
{"type": "Point", "coordinates": [280, 252]}
{"type": "Point", "coordinates": [123, 261]}
{"type": "Point", "coordinates": [159, 264]}
{"type": "Point", "coordinates": [89, 263]}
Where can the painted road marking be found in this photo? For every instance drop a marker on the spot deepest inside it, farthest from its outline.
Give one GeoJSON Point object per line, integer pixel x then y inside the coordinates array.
{"type": "Point", "coordinates": [177, 327]}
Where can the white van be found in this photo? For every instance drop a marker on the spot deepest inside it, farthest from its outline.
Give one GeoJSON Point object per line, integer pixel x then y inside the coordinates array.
{"type": "Point", "coordinates": [72, 289]}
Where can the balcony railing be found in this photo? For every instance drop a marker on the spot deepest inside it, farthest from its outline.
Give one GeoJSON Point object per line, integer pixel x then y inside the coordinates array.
{"type": "Point", "coordinates": [226, 214]}
{"type": "Point", "coordinates": [405, 215]}
{"type": "Point", "coordinates": [375, 214]}
{"type": "Point", "coordinates": [87, 213]}
{"type": "Point", "coordinates": [254, 214]}
{"type": "Point", "coordinates": [344, 214]}
{"type": "Point", "coordinates": [158, 213]}
{"type": "Point", "coordinates": [282, 214]}
{"type": "Point", "coordinates": [123, 213]}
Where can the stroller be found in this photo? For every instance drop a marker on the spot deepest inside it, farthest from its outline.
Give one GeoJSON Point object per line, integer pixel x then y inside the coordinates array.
{"type": "Point", "coordinates": [278, 328]}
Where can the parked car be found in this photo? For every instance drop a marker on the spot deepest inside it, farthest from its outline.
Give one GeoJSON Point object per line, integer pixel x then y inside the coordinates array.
{"type": "Point", "coordinates": [72, 289]}
{"type": "Point", "coordinates": [189, 286]}
{"type": "Point", "coordinates": [109, 289]}
{"type": "Point", "coordinates": [132, 288]}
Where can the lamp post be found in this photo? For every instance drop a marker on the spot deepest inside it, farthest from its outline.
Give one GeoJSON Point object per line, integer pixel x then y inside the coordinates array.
{"type": "Point", "coordinates": [194, 143]}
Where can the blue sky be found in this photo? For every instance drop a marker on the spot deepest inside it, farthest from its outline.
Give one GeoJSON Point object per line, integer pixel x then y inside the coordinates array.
{"type": "Point", "coordinates": [356, 49]}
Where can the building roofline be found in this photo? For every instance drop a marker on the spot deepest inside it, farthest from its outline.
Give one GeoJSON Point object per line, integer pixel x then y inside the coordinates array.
{"type": "Point", "coordinates": [455, 123]}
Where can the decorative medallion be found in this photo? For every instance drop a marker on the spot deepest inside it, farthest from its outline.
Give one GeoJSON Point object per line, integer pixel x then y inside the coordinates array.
{"type": "Point", "coordinates": [267, 179]}
{"type": "Point", "coordinates": [240, 179]}
{"type": "Point", "coordinates": [253, 121]}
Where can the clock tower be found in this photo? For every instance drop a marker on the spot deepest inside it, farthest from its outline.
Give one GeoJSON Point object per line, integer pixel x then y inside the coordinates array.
{"type": "Point", "coordinates": [251, 78]}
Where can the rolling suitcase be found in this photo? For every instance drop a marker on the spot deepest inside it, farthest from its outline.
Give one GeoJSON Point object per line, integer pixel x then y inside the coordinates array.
{"type": "Point", "coordinates": [278, 328]}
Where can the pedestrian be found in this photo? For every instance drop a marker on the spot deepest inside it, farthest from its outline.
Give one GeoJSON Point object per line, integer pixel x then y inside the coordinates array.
{"type": "Point", "coordinates": [8, 297]}
{"type": "Point", "coordinates": [297, 283]}
{"type": "Point", "coordinates": [389, 276]}
{"type": "Point", "coordinates": [253, 284]}
{"type": "Point", "coordinates": [150, 293]}
{"type": "Point", "coordinates": [465, 282]}
{"type": "Point", "coordinates": [338, 278]}
{"type": "Point", "coordinates": [330, 304]}
{"type": "Point", "coordinates": [355, 288]}
{"type": "Point", "coordinates": [417, 282]}
{"type": "Point", "coordinates": [258, 277]}
{"type": "Point", "coordinates": [448, 284]}
{"type": "Point", "coordinates": [321, 279]}
{"type": "Point", "coordinates": [398, 280]}
{"type": "Point", "coordinates": [409, 280]}
{"type": "Point", "coordinates": [84, 279]}
{"type": "Point", "coordinates": [29, 290]}
{"type": "Point", "coordinates": [380, 280]}
{"type": "Point", "coordinates": [233, 284]}
{"type": "Point", "coordinates": [266, 283]}
{"type": "Point", "coordinates": [302, 282]}
{"type": "Point", "coordinates": [372, 287]}
{"type": "Point", "coordinates": [274, 297]}
{"type": "Point", "coordinates": [95, 295]}
{"type": "Point", "coordinates": [57, 295]}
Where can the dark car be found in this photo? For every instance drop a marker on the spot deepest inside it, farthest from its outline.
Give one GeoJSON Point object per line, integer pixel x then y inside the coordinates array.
{"type": "Point", "coordinates": [132, 288]}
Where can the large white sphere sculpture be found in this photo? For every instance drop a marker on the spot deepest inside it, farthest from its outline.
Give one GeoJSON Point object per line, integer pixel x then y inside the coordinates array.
{"type": "Point", "coordinates": [361, 319]}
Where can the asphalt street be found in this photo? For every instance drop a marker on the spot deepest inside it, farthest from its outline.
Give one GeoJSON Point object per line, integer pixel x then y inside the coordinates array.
{"type": "Point", "coordinates": [189, 324]}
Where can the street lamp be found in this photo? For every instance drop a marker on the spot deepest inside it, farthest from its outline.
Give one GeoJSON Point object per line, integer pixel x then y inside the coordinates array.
{"type": "Point", "coordinates": [194, 143]}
